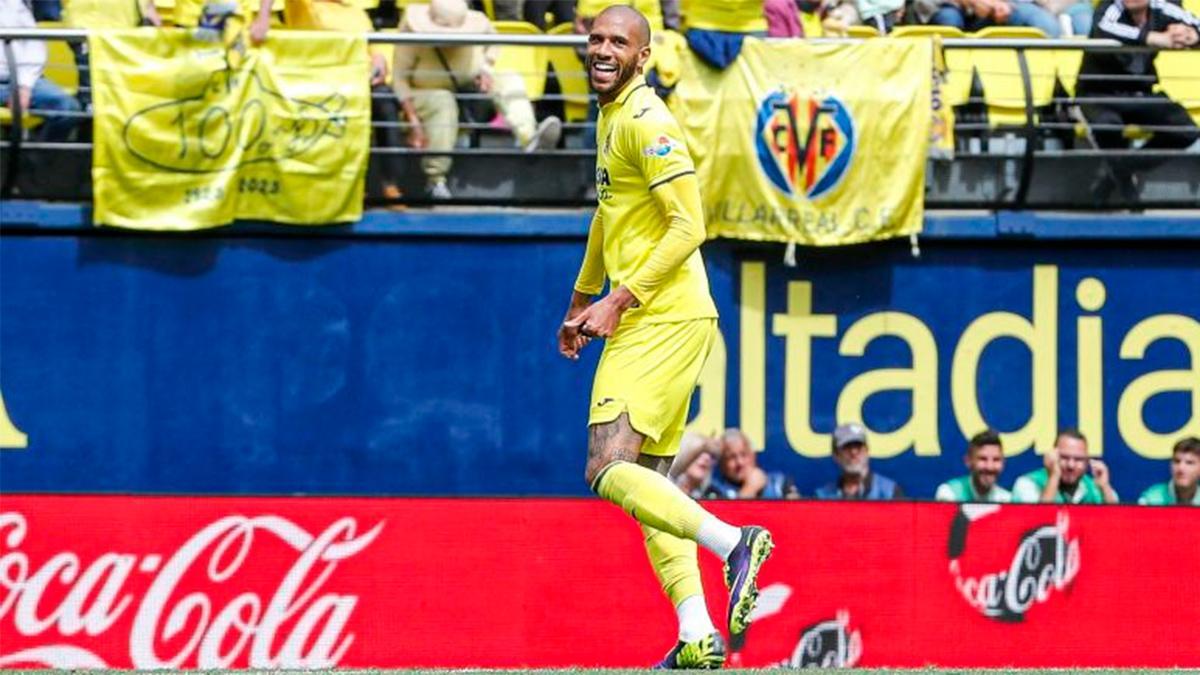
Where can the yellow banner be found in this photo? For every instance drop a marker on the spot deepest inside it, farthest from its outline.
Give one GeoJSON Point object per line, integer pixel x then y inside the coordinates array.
{"type": "Point", "coordinates": [185, 140]}
{"type": "Point", "coordinates": [818, 144]}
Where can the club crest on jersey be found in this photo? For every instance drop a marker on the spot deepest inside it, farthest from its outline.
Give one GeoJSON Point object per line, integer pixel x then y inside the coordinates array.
{"type": "Point", "coordinates": [660, 148]}
{"type": "Point", "coordinates": [805, 142]}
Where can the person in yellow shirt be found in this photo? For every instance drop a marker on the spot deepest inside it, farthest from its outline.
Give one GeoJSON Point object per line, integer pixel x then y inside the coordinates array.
{"type": "Point", "coordinates": [93, 14]}
{"type": "Point", "coordinates": [341, 15]}
{"type": "Point", "coordinates": [659, 322]}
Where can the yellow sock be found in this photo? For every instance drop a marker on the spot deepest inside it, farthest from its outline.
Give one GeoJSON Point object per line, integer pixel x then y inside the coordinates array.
{"type": "Point", "coordinates": [651, 498]}
{"type": "Point", "coordinates": [674, 561]}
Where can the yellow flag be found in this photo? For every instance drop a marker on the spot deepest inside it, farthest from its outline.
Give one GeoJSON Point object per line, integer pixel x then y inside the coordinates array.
{"type": "Point", "coordinates": [183, 141]}
{"type": "Point", "coordinates": [818, 144]}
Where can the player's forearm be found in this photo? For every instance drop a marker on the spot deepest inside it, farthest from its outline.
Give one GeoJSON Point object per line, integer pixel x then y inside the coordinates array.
{"type": "Point", "coordinates": [679, 200]}
{"type": "Point", "coordinates": [1110, 495]}
{"type": "Point", "coordinates": [591, 273]}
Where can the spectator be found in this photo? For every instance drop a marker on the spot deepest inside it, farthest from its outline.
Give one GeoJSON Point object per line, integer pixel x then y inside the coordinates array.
{"type": "Point", "coordinates": [715, 30]}
{"type": "Point", "coordinates": [210, 20]}
{"type": "Point", "coordinates": [339, 15]}
{"type": "Point", "coordinates": [971, 15]}
{"type": "Point", "coordinates": [739, 477]}
{"type": "Point", "coordinates": [692, 469]}
{"type": "Point", "coordinates": [856, 481]}
{"type": "Point", "coordinates": [93, 14]}
{"type": "Point", "coordinates": [426, 78]}
{"type": "Point", "coordinates": [1185, 476]}
{"type": "Point", "coordinates": [534, 11]}
{"type": "Point", "coordinates": [783, 19]}
{"type": "Point", "coordinates": [25, 85]}
{"type": "Point", "coordinates": [985, 462]}
{"type": "Point", "coordinates": [1132, 76]}
{"type": "Point", "coordinates": [1063, 479]}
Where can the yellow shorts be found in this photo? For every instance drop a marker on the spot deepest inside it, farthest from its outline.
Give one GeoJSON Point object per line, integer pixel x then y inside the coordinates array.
{"type": "Point", "coordinates": [650, 370]}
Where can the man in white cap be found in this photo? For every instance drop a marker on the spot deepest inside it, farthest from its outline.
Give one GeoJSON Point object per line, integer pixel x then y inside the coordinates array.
{"type": "Point", "coordinates": [427, 77]}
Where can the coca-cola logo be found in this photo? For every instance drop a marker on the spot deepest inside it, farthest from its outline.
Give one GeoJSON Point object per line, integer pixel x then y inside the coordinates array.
{"type": "Point", "coordinates": [64, 599]}
{"type": "Point", "coordinates": [1046, 560]}
{"type": "Point", "coordinates": [827, 644]}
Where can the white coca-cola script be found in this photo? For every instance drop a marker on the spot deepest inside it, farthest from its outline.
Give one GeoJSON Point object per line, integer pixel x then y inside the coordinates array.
{"type": "Point", "coordinates": [249, 628]}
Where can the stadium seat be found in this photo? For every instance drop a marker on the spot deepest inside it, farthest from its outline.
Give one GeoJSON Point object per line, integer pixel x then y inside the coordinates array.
{"type": "Point", "coordinates": [958, 61]}
{"type": "Point", "coordinates": [862, 32]}
{"type": "Point", "coordinates": [1000, 73]}
{"type": "Point", "coordinates": [1179, 78]}
{"type": "Point", "coordinates": [528, 62]}
{"type": "Point", "coordinates": [28, 121]}
{"type": "Point", "coordinates": [1066, 66]}
{"type": "Point", "coordinates": [572, 78]}
{"type": "Point", "coordinates": [60, 61]}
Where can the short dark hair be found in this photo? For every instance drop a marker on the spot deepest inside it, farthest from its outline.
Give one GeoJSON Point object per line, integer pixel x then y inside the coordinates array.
{"type": "Point", "coordinates": [1070, 432]}
{"type": "Point", "coordinates": [1187, 444]}
{"type": "Point", "coordinates": [985, 437]}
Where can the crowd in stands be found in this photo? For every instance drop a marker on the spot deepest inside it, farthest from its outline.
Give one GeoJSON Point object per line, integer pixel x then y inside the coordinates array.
{"type": "Point", "coordinates": [426, 97]}
{"type": "Point", "coordinates": [726, 467]}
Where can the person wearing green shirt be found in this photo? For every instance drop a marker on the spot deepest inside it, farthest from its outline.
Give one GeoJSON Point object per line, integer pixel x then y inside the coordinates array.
{"type": "Point", "coordinates": [1185, 475]}
{"type": "Point", "coordinates": [1064, 478]}
{"type": "Point", "coordinates": [985, 461]}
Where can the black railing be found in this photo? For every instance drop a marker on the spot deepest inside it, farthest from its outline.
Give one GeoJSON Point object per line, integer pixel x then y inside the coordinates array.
{"type": "Point", "coordinates": [1039, 162]}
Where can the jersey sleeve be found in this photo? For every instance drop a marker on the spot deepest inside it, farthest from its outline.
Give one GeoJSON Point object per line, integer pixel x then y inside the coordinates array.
{"type": "Point", "coordinates": [945, 493]}
{"type": "Point", "coordinates": [657, 147]}
{"type": "Point", "coordinates": [1025, 491]}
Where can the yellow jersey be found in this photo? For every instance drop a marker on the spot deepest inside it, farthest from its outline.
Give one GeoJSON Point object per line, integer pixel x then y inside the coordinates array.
{"type": "Point", "coordinates": [102, 14]}
{"type": "Point", "coordinates": [732, 16]}
{"type": "Point", "coordinates": [640, 148]}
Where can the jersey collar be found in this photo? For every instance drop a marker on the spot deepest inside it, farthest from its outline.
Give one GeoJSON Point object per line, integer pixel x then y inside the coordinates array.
{"type": "Point", "coordinates": [631, 86]}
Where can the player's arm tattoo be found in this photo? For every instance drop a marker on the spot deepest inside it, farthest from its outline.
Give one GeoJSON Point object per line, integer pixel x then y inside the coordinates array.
{"type": "Point", "coordinates": [614, 441]}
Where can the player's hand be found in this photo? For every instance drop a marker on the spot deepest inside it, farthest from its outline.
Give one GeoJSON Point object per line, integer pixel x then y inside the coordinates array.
{"type": "Point", "coordinates": [1099, 472]}
{"type": "Point", "coordinates": [484, 82]}
{"type": "Point", "coordinates": [570, 340]}
{"type": "Point", "coordinates": [1050, 461]}
{"type": "Point", "coordinates": [601, 319]}
{"type": "Point", "coordinates": [22, 96]}
{"type": "Point", "coordinates": [755, 483]}
{"type": "Point", "coordinates": [1001, 11]}
{"type": "Point", "coordinates": [258, 29]}
{"type": "Point", "coordinates": [1162, 40]}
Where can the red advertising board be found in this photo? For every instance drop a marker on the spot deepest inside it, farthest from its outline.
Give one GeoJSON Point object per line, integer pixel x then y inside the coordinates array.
{"type": "Point", "coordinates": [214, 582]}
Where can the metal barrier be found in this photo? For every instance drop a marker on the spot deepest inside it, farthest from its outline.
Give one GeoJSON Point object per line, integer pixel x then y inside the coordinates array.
{"type": "Point", "coordinates": [1030, 160]}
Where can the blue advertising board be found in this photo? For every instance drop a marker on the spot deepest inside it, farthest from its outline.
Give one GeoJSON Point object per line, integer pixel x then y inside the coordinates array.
{"type": "Point", "coordinates": [427, 365]}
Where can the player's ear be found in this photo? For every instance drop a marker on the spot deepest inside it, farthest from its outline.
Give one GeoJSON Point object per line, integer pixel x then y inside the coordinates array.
{"type": "Point", "coordinates": [643, 58]}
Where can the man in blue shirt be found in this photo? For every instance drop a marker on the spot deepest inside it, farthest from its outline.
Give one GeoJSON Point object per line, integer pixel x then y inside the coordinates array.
{"type": "Point", "coordinates": [856, 481]}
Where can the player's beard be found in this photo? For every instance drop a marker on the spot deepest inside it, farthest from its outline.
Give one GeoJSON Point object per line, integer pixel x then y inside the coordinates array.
{"type": "Point", "coordinates": [624, 73]}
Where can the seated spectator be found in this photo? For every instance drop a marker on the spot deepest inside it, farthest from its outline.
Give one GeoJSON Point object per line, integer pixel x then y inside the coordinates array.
{"type": "Point", "coordinates": [93, 14]}
{"type": "Point", "coordinates": [426, 78]}
{"type": "Point", "coordinates": [971, 15]}
{"type": "Point", "coordinates": [715, 30]}
{"type": "Point", "coordinates": [985, 462]}
{"type": "Point", "coordinates": [1132, 76]}
{"type": "Point", "coordinates": [739, 477]}
{"type": "Point", "coordinates": [1064, 479]}
{"type": "Point", "coordinates": [1185, 477]}
{"type": "Point", "coordinates": [341, 15]}
{"type": "Point", "coordinates": [27, 87]}
{"type": "Point", "coordinates": [783, 19]}
{"type": "Point", "coordinates": [692, 469]}
{"type": "Point", "coordinates": [856, 481]}
{"type": "Point", "coordinates": [534, 11]}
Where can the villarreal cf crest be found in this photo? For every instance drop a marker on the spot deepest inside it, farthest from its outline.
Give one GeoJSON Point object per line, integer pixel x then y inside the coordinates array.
{"type": "Point", "coordinates": [805, 141]}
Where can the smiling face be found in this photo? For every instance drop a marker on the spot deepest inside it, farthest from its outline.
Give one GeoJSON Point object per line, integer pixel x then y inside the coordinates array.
{"type": "Point", "coordinates": [985, 463]}
{"type": "Point", "coordinates": [617, 50]}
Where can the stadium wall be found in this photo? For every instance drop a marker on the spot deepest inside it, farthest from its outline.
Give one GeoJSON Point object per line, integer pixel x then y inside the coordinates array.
{"type": "Point", "coordinates": [316, 582]}
{"type": "Point", "coordinates": [415, 355]}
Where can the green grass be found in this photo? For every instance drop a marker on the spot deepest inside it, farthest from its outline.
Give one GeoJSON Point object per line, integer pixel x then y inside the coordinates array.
{"type": "Point", "coordinates": [634, 671]}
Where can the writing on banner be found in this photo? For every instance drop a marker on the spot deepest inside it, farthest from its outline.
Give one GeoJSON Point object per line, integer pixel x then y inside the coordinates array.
{"type": "Point", "coordinates": [185, 139]}
{"type": "Point", "coordinates": [817, 144]}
